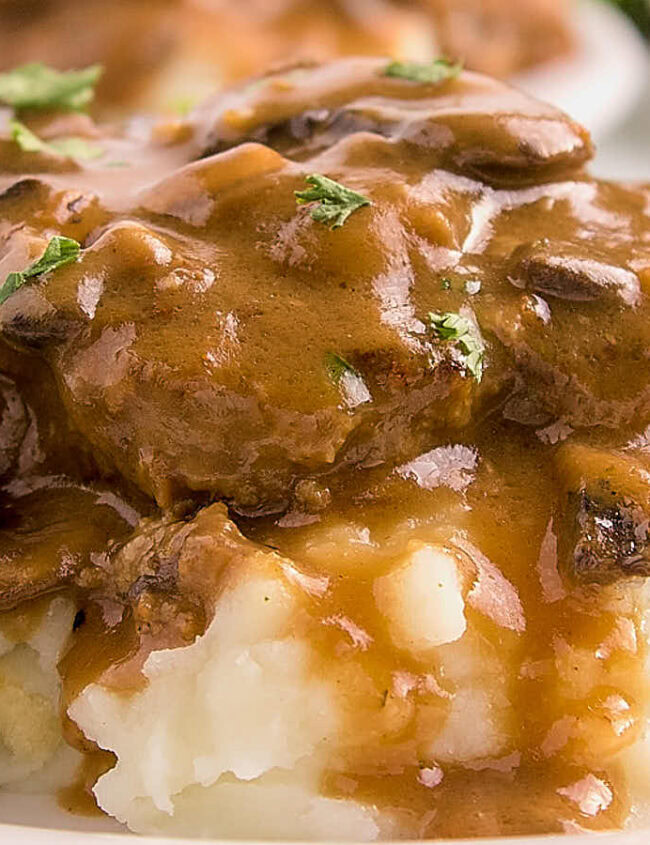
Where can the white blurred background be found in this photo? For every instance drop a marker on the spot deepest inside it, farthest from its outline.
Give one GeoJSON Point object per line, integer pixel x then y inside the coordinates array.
{"type": "Point", "coordinates": [605, 84]}
{"type": "Point", "coordinates": [590, 57]}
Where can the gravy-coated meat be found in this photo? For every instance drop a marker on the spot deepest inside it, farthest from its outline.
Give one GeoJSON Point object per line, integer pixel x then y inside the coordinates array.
{"type": "Point", "coordinates": [332, 400]}
{"type": "Point", "coordinates": [606, 510]}
{"type": "Point", "coordinates": [476, 128]}
{"type": "Point", "coordinates": [173, 339]}
{"type": "Point", "coordinates": [47, 540]}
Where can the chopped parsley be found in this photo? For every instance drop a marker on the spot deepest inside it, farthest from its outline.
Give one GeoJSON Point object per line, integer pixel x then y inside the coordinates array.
{"type": "Point", "coordinates": [75, 147]}
{"type": "Point", "coordinates": [344, 376]}
{"type": "Point", "coordinates": [337, 366]}
{"type": "Point", "coordinates": [36, 86]}
{"type": "Point", "coordinates": [59, 252]}
{"type": "Point", "coordinates": [25, 138]}
{"type": "Point", "coordinates": [430, 73]}
{"type": "Point", "coordinates": [445, 283]}
{"type": "Point", "coordinates": [70, 147]}
{"type": "Point", "coordinates": [333, 202]}
{"type": "Point", "coordinates": [182, 105]}
{"type": "Point", "coordinates": [454, 328]}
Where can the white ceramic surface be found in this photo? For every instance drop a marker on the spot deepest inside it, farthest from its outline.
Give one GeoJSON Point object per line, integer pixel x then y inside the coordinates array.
{"type": "Point", "coordinates": [602, 82]}
{"type": "Point", "coordinates": [42, 824]}
{"type": "Point", "coordinates": [623, 154]}
{"type": "Point", "coordinates": [606, 86]}
{"type": "Point", "coordinates": [25, 834]}
{"type": "Point", "coordinates": [31, 836]}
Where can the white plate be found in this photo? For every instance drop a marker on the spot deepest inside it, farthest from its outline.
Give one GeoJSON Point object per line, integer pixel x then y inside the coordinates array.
{"type": "Point", "coordinates": [37, 821]}
{"type": "Point", "coordinates": [624, 154]}
{"type": "Point", "coordinates": [601, 83]}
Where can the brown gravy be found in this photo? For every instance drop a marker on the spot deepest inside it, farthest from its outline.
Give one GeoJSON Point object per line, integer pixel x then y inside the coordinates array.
{"type": "Point", "coordinates": [183, 361]}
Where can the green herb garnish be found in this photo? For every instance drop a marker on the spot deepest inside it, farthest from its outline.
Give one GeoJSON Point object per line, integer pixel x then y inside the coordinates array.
{"type": "Point", "coordinates": [430, 73]}
{"type": "Point", "coordinates": [445, 283]}
{"type": "Point", "coordinates": [59, 252]}
{"type": "Point", "coordinates": [36, 86]}
{"type": "Point", "coordinates": [337, 366]}
{"type": "Point", "coordinates": [75, 147]}
{"type": "Point", "coordinates": [25, 138]}
{"type": "Point", "coordinates": [334, 203]}
{"type": "Point", "coordinates": [349, 381]}
{"type": "Point", "coordinates": [182, 105]}
{"type": "Point", "coordinates": [454, 328]}
{"type": "Point", "coordinates": [71, 147]}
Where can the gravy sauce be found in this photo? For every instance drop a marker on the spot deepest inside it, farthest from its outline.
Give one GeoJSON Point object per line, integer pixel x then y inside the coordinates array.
{"type": "Point", "coordinates": [183, 361]}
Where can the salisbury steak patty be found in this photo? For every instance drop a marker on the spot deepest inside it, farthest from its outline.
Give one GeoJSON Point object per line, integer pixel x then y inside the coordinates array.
{"type": "Point", "coordinates": [218, 337]}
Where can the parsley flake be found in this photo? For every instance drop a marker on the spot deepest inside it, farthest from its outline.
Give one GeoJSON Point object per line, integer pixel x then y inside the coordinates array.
{"type": "Point", "coordinates": [333, 202]}
{"type": "Point", "coordinates": [70, 147]}
{"type": "Point", "coordinates": [36, 86]}
{"type": "Point", "coordinates": [350, 382]}
{"type": "Point", "coordinates": [25, 138]}
{"type": "Point", "coordinates": [182, 105]}
{"type": "Point", "coordinates": [337, 366]}
{"type": "Point", "coordinates": [455, 328]}
{"type": "Point", "coordinates": [429, 73]}
{"type": "Point", "coordinates": [75, 147]}
{"type": "Point", "coordinates": [59, 252]}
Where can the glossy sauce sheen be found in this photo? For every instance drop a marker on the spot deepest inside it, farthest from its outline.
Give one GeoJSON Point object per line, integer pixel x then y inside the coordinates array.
{"type": "Point", "coordinates": [183, 360]}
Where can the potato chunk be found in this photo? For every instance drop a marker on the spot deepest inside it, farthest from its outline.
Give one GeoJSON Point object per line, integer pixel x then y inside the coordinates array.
{"type": "Point", "coordinates": [422, 600]}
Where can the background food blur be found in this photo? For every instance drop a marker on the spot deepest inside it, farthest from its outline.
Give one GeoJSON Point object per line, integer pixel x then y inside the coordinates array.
{"type": "Point", "coordinates": [590, 57]}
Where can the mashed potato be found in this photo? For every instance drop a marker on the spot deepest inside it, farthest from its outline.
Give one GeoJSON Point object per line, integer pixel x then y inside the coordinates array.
{"type": "Point", "coordinates": [232, 735]}
{"type": "Point", "coordinates": [31, 743]}
{"type": "Point", "coordinates": [236, 734]}
{"type": "Point", "coordinates": [422, 600]}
